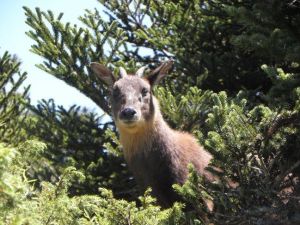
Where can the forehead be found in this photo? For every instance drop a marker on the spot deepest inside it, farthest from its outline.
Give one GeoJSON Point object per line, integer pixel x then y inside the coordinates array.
{"type": "Point", "coordinates": [131, 82]}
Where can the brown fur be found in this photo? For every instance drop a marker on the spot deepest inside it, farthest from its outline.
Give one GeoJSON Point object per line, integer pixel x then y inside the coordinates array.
{"type": "Point", "coordinates": [155, 151]}
{"type": "Point", "coordinates": [157, 155]}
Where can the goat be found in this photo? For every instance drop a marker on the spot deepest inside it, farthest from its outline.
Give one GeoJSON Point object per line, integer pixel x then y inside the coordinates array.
{"type": "Point", "coordinates": [157, 155]}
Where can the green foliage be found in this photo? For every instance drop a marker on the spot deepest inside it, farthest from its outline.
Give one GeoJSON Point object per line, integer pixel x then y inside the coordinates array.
{"type": "Point", "coordinates": [198, 34]}
{"type": "Point", "coordinates": [69, 49]}
{"type": "Point", "coordinates": [196, 196]}
{"type": "Point", "coordinates": [252, 146]}
{"type": "Point", "coordinates": [12, 100]}
{"type": "Point", "coordinates": [78, 138]}
{"type": "Point", "coordinates": [15, 187]}
{"type": "Point", "coordinates": [21, 203]}
{"type": "Point", "coordinates": [235, 86]}
{"type": "Point", "coordinates": [114, 211]}
{"type": "Point", "coordinates": [186, 112]}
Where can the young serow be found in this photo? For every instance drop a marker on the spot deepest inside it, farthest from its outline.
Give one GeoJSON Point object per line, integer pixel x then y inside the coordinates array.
{"type": "Point", "coordinates": [157, 155]}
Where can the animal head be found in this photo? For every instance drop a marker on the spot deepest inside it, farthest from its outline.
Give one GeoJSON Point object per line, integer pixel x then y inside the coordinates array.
{"type": "Point", "coordinates": [131, 95]}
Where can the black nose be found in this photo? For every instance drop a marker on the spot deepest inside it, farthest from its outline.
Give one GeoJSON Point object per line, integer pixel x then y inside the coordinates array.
{"type": "Point", "coordinates": [127, 113]}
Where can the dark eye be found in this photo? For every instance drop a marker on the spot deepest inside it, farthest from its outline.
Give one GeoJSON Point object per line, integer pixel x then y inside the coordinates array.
{"type": "Point", "coordinates": [116, 92]}
{"type": "Point", "coordinates": [144, 92]}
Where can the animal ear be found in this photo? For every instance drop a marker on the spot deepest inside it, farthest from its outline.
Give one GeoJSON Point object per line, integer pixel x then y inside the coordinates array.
{"type": "Point", "coordinates": [140, 71]}
{"type": "Point", "coordinates": [160, 72]}
{"type": "Point", "coordinates": [103, 73]}
{"type": "Point", "coordinates": [122, 72]}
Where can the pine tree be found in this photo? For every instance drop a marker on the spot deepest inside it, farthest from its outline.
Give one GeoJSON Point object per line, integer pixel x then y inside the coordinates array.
{"type": "Point", "coordinates": [76, 137]}
{"type": "Point", "coordinates": [12, 101]}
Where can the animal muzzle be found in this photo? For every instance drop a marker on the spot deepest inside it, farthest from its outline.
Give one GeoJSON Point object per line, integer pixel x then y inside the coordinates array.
{"type": "Point", "coordinates": [128, 115]}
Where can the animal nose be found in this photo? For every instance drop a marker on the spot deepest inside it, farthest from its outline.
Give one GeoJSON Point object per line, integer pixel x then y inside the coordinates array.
{"type": "Point", "coordinates": [127, 113]}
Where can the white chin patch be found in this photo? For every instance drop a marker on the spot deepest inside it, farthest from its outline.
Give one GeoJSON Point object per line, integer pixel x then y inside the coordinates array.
{"type": "Point", "coordinates": [130, 124]}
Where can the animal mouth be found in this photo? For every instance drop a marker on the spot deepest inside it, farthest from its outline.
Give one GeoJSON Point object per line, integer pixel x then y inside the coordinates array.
{"type": "Point", "coordinates": [129, 123]}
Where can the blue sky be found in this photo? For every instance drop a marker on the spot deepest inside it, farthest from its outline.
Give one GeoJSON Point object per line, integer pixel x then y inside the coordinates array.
{"type": "Point", "coordinates": [14, 40]}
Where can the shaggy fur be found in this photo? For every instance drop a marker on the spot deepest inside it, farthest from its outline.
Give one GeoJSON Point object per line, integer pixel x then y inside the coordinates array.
{"type": "Point", "coordinates": [157, 155]}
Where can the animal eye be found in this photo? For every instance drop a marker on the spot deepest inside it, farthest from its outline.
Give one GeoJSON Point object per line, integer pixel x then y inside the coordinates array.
{"type": "Point", "coordinates": [144, 92]}
{"type": "Point", "coordinates": [116, 92]}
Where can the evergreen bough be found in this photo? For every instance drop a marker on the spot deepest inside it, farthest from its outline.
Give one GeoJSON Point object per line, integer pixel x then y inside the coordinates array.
{"type": "Point", "coordinates": [235, 85]}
